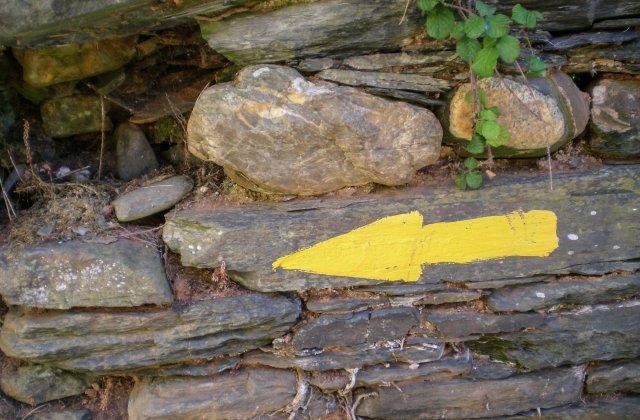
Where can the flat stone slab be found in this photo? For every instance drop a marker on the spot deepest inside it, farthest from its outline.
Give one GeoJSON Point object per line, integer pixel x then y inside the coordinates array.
{"type": "Point", "coordinates": [568, 292]}
{"type": "Point", "coordinates": [414, 350]}
{"type": "Point", "coordinates": [151, 199]}
{"type": "Point", "coordinates": [460, 398]}
{"type": "Point", "coordinates": [35, 384]}
{"type": "Point", "coordinates": [114, 342]}
{"type": "Point", "coordinates": [53, 275]}
{"type": "Point", "coordinates": [622, 376]}
{"type": "Point", "coordinates": [589, 220]}
{"type": "Point", "coordinates": [623, 407]}
{"type": "Point", "coordinates": [456, 325]}
{"type": "Point", "coordinates": [312, 29]}
{"type": "Point", "coordinates": [590, 333]}
{"type": "Point", "coordinates": [411, 82]}
{"type": "Point", "coordinates": [248, 393]}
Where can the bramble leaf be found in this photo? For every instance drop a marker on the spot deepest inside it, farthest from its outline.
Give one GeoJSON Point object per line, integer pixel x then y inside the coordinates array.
{"type": "Point", "coordinates": [427, 5]}
{"type": "Point", "coordinates": [461, 181]}
{"type": "Point", "coordinates": [490, 130]}
{"type": "Point", "coordinates": [484, 9]}
{"type": "Point", "coordinates": [488, 115]}
{"type": "Point", "coordinates": [474, 26]}
{"type": "Point", "coordinates": [467, 49]}
{"type": "Point", "coordinates": [508, 48]}
{"type": "Point", "coordinates": [476, 145]}
{"type": "Point", "coordinates": [498, 26]}
{"type": "Point", "coordinates": [473, 180]}
{"type": "Point", "coordinates": [535, 66]}
{"type": "Point", "coordinates": [440, 22]}
{"type": "Point", "coordinates": [519, 14]}
{"type": "Point", "coordinates": [470, 163]}
{"type": "Point", "coordinates": [485, 62]}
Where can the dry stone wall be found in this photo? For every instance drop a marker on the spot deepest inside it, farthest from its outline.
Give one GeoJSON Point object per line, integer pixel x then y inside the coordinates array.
{"type": "Point", "coordinates": [518, 300]}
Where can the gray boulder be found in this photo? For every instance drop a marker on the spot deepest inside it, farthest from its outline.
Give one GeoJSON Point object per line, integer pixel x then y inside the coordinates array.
{"type": "Point", "coordinates": [615, 118]}
{"type": "Point", "coordinates": [274, 131]}
{"type": "Point", "coordinates": [78, 274]}
{"type": "Point", "coordinates": [135, 156]}
{"type": "Point", "coordinates": [151, 199]}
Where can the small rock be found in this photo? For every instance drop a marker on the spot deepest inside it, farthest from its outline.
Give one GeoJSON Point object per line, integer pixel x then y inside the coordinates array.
{"type": "Point", "coordinates": [151, 199]}
{"type": "Point", "coordinates": [62, 63]}
{"type": "Point", "coordinates": [318, 137]}
{"type": "Point", "coordinates": [35, 384]}
{"type": "Point", "coordinates": [80, 230]}
{"type": "Point", "coordinates": [65, 275]}
{"type": "Point", "coordinates": [615, 118]}
{"type": "Point", "coordinates": [544, 112]}
{"type": "Point", "coordinates": [135, 156]}
{"type": "Point", "coordinates": [67, 116]}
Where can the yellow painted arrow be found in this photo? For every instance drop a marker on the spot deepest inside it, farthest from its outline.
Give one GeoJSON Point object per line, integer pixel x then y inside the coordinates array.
{"type": "Point", "coordinates": [394, 248]}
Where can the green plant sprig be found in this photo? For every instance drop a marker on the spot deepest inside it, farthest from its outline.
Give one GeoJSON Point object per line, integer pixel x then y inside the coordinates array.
{"type": "Point", "coordinates": [482, 41]}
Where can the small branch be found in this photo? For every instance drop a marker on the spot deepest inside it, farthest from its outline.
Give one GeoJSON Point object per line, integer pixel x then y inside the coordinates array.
{"type": "Point", "coordinates": [102, 116]}
{"type": "Point", "coordinates": [406, 9]}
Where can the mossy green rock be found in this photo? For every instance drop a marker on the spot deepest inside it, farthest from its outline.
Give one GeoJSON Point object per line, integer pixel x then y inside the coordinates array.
{"type": "Point", "coordinates": [63, 63]}
{"type": "Point", "coordinates": [35, 384]}
{"type": "Point", "coordinates": [71, 115]}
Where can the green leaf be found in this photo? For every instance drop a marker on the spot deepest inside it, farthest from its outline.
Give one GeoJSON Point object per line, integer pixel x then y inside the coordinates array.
{"type": "Point", "coordinates": [473, 180]}
{"type": "Point", "coordinates": [476, 145]}
{"type": "Point", "coordinates": [519, 14]}
{"type": "Point", "coordinates": [467, 49]}
{"type": "Point", "coordinates": [461, 181]}
{"type": "Point", "coordinates": [535, 66]}
{"type": "Point", "coordinates": [484, 9]}
{"type": "Point", "coordinates": [498, 26]}
{"type": "Point", "coordinates": [488, 115]}
{"type": "Point", "coordinates": [488, 41]}
{"type": "Point", "coordinates": [440, 22]}
{"type": "Point", "coordinates": [490, 130]}
{"type": "Point", "coordinates": [427, 5]}
{"type": "Point", "coordinates": [495, 110]}
{"type": "Point", "coordinates": [508, 48]}
{"type": "Point", "coordinates": [485, 62]}
{"type": "Point", "coordinates": [501, 139]}
{"type": "Point", "coordinates": [470, 163]}
{"type": "Point", "coordinates": [533, 18]}
{"type": "Point", "coordinates": [482, 97]}
{"type": "Point", "coordinates": [474, 26]}
{"type": "Point", "coordinates": [458, 30]}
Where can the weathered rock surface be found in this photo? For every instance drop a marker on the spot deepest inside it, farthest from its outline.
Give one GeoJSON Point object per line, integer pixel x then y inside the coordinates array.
{"type": "Point", "coordinates": [615, 118]}
{"type": "Point", "coordinates": [459, 398]}
{"type": "Point", "coordinates": [619, 408]}
{"type": "Point", "coordinates": [274, 131]}
{"type": "Point", "coordinates": [355, 329]}
{"type": "Point", "coordinates": [70, 414]}
{"type": "Point", "coordinates": [70, 115]}
{"type": "Point", "coordinates": [623, 376]}
{"type": "Point", "coordinates": [36, 22]}
{"type": "Point", "coordinates": [134, 154]}
{"type": "Point", "coordinates": [35, 384]}
{"type": "Point", "coordinates": [602, 332]}
{"type": "Point", "coordinates": [312, 29]}
{"type": "Point", "coordinates": [543, 112]}
{"type": "Point", "coordinates": [569, 292]}
{"type": "Point", "coordinates": [340, 304]}
{"type": "Point", "coordinates": [412, 82]}
{"type": "Point", "coordinates": [389, 60]}
{"type": "Point", "coordinates": [448, 296]}
{"type": "Point", "coordinates": [151, 199]}
{"type": "Point", "coordinates": [453, 325]}
{"type": "Point", "coordinates": [247, 393]}
{"type": "Point", "coordinates": [597, 207]}
{"type": "Point", "coordinates": [50, 65]}
{"type": "Point", "coordinates": [414, 350]}
{"type": "Point", "coordinates": [110, 342]}
{"type": "Point", "coordinates": [77, 274]}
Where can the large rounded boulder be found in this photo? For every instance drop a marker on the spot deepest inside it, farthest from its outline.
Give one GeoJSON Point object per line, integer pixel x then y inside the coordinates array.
{"type": "Point", "coordinates": [274, 131]}
{"type": "Point", "coordinates": [539, 113]}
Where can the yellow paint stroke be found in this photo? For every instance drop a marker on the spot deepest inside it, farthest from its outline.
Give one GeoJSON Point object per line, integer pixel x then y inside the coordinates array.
{"type": "Point", "coordinates": [394, 248]}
